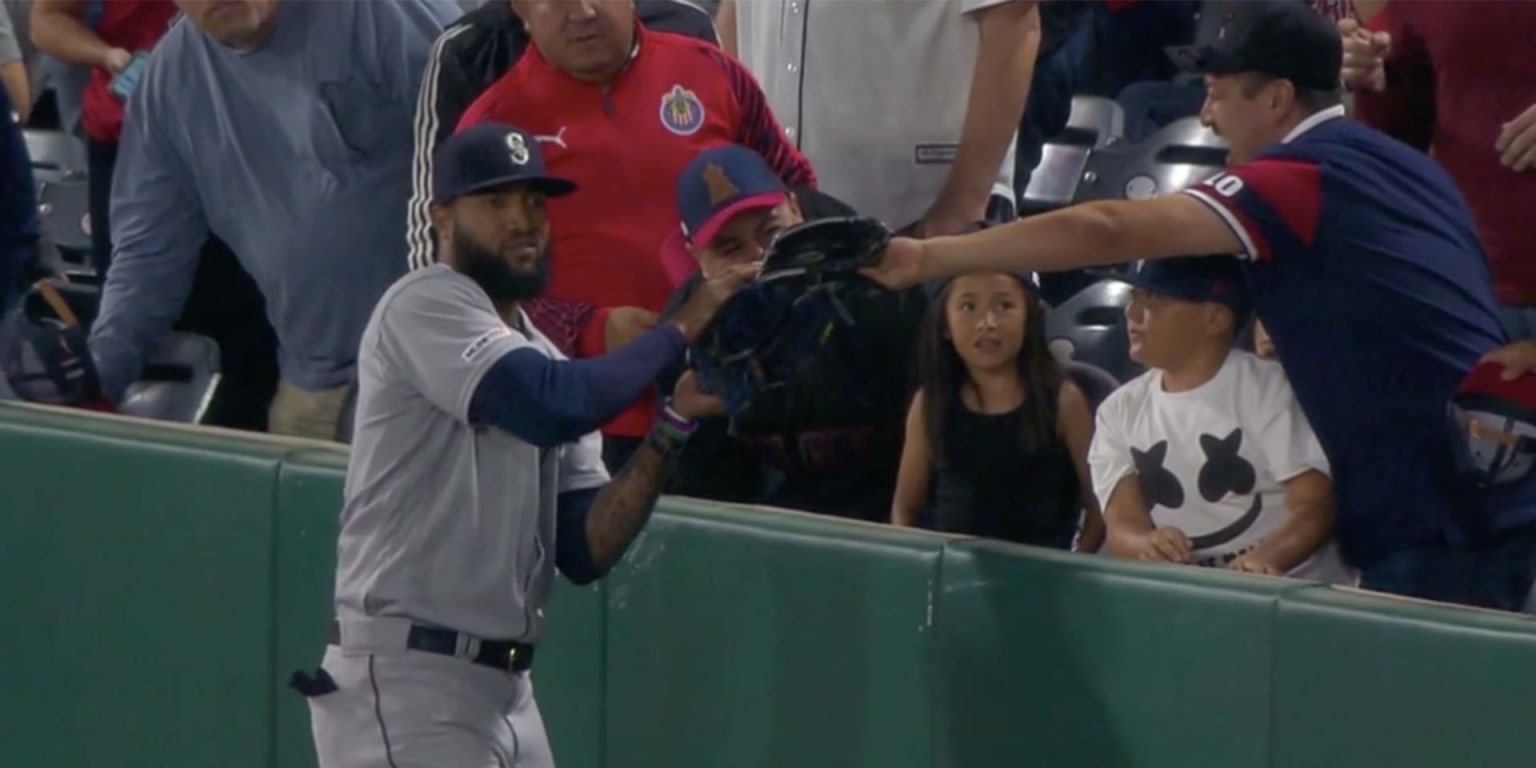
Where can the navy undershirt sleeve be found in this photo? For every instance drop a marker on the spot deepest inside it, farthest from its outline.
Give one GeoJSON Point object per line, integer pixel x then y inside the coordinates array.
{"type": "Point", "coordinates": [573, 552]}
{"type": "Point", "coordinates": [548, 402]}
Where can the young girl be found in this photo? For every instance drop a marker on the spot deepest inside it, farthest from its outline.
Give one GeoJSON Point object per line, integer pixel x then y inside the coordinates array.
{"type": "Point", "coordinates": [997, 431]}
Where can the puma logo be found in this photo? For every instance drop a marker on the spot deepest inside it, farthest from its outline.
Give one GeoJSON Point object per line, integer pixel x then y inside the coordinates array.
{"type": "Point", "coordinates": [557, 138]}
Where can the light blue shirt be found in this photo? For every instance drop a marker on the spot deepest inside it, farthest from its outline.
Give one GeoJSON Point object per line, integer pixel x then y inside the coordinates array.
{"type": "Point", "coordinates": [297, 154]}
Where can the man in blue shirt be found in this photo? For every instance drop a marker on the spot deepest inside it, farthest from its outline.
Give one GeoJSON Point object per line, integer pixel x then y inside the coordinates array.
{"type": "Point", "coordinates": [284, 128]}
{"type": "Point", "coordinates": [1365, 267]}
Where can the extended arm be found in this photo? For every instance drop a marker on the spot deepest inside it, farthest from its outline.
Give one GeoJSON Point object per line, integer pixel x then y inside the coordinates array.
{"type": "Point", "coordinates": [549, 402]}
{"type": "Point", "coordinates": [1088, 235]}
{"type": "Point", "coordinates": [157, 231]}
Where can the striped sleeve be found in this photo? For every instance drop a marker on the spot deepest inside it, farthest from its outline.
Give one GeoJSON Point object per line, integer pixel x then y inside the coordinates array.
{"type": "Point", "coordinates": [438, 104]}
{"type": "Point", "coordinates": [759, 129]}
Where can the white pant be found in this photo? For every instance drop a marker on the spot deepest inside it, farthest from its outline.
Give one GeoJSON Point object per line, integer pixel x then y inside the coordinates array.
{"type": "Point", "coordinates": [409, 709]}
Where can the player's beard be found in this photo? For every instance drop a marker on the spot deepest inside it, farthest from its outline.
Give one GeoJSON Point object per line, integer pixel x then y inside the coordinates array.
{"type": "Point", "coordinates": [501, 281]}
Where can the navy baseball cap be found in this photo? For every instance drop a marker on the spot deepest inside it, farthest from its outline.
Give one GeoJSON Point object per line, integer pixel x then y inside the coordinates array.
{"type": "Point", "coordinates": [1286, 39]}
{"type": "Point", "coordinates": [490, 155]}
{"type": "Point", "coordinates": [720, 183]}
{"type": "Point", "coordinates": [1215, 279]}
{"type": "Point", "coordinates": [717, 185]}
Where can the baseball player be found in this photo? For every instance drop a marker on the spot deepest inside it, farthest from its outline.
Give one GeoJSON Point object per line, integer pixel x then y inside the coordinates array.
{"type": "Point", "coordinates": [476, 472]}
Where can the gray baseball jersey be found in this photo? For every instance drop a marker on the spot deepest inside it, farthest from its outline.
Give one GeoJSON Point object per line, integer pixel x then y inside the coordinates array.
{"type": "Point", "coordinates": [444, 523]}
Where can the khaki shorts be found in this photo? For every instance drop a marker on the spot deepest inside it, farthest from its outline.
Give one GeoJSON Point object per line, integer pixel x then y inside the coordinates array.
{"type": "Point", "coordinates": [301, 413]}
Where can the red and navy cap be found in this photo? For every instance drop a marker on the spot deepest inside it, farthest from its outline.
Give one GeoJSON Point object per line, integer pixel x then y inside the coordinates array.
{"type": "Point", "coordinates": [716, 186]}
{"type": "Point", "coordinates": [1494, 425]}
{"type": "Point", "coordinates": [486, 156]}
{"type": "Point", "coordinates": [1215, 279]}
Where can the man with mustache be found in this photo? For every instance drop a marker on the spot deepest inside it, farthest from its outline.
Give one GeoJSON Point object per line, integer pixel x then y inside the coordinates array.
{"type": "Point", "coordinates": [476, 471]}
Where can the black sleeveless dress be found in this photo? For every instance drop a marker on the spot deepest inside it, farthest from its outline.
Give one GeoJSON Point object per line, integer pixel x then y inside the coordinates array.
{"type": "Point", "coordinates": [991, 486]}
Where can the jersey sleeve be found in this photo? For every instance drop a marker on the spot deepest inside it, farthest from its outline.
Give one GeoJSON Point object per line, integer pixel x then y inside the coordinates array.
{"type": "Point", "coordinates": [441, 338]}
{"type": "Point", "coordinates": [1272, 205]}
{"type": "Point", "coordinates": [1109, 454]}
{"type": "Point", "coordinates": [757, 127]}
{"type": "Point", "coordinates": [1284, 436]}
{"type": "Point", "coordinates": [581, 464]}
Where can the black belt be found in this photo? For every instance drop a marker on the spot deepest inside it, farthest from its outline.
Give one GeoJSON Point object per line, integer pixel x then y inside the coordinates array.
{"type": "Point", "coordinates": [505, 655]}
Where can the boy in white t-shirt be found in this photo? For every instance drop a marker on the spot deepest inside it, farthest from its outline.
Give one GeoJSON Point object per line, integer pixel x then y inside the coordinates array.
{"type": "Point", "coordinates": [1207, 459]}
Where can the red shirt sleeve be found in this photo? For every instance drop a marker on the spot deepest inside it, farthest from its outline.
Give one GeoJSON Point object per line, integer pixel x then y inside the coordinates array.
{"type": "Point", "coordinates": [1268, 203]}
{"type": "Point", "coordinates": [759, 130]}
{"type": "Point", "coordinates": [568, 324]}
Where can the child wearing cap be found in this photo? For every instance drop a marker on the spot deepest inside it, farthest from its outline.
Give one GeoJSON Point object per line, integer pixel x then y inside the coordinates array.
{"type": "Point", "coordinates": [1206, 459]}
{"type": "Point", "coordinates": [830, 442]}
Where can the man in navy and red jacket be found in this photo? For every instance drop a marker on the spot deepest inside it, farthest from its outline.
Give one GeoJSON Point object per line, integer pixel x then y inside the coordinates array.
{"type": "Point", "coordinates": [621, 109]}
{"type": "Point", "coordinates": [1363, 263]}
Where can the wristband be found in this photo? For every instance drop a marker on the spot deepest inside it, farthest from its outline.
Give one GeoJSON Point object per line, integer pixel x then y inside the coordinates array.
{"type": "Point", "coordinates": [670, 432]}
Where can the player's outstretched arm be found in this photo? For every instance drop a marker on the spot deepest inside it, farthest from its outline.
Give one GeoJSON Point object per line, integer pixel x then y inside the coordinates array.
{"type": "Point", "coordinates": [549, 403]}
{"type": "Point", "coordinates": [597, 526]}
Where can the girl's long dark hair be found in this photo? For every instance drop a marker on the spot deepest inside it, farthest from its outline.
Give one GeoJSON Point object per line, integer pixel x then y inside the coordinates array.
{"type": "Point", "coordinates": [941, 374]}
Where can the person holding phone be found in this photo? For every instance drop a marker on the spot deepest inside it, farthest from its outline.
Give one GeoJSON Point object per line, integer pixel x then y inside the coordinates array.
{"type": "Point", "coordinates": [113, 39]}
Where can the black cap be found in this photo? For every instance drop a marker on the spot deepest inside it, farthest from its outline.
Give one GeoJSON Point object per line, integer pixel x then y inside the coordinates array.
{"type": "Point", "coordinates": [1215, 279]}
{"type": "Point", "coordinates": [1286, 39]}
{"type": "Point", "coordinates": [489, 155]}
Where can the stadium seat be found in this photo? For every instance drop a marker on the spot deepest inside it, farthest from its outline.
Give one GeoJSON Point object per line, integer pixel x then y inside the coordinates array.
{"type": "Point", "coordinates": [346, 421]}
{"type": "Point", "coordinates": [64, 211]}
{"type": "Point", "coordinates": [181, 375]}
{"type": "Point", "coordinates": [1095, 382]}
{"type": "Point", "coordinates": [1183, 153]}
{"type": "Point", "coordinates": [1094, 122]}
{"type": "Point", "coordinates": [1090, 328]}
{"type": "Point", "coordinates": [56, 154]}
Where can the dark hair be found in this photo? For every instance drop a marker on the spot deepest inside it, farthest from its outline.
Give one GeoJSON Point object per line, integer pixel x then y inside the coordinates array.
{"type": "Point", "coordinates": [941, 373]}
{"type": "Point", "coordinates": [1311, 99]}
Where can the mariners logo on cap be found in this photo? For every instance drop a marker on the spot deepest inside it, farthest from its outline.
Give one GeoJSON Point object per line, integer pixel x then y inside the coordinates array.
{"type": "Point", "coordinates": [518, 148]}
{"type": "Point", "coordinates": [681, 111]}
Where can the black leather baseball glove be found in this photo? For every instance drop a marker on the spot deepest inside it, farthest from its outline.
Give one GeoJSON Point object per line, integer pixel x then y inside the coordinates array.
{"type": "Point", "coordinates": [767, 333]}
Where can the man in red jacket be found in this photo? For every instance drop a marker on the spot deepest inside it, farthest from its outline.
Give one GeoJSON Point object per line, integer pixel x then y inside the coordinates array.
{"type": "Point", "coordinates": [1460, 82]}
{"type": "Point", "coordinates": [620, 110]}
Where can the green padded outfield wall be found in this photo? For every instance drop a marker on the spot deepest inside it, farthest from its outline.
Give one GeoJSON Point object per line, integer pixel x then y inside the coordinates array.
{"type": "Point", "coordinates": [159, 584]}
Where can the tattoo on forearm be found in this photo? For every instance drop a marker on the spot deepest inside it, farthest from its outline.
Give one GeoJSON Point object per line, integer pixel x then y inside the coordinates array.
{"type": "Point", "coordinates": [625, 504]}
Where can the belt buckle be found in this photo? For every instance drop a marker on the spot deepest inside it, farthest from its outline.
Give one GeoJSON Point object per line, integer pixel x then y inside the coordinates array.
{"type": "Point", "coordinates": [512, 658]}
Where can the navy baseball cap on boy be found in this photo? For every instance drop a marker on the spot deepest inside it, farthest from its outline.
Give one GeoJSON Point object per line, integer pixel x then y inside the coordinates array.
{"type": "Point", "coordinates": [719, 184]}
{"type": "Point", "coordinates": [490, 155]}
{"type": "Point", "coordinates": [1214, 279]}
{"type": "Point", "coordinates": [1286, 39]}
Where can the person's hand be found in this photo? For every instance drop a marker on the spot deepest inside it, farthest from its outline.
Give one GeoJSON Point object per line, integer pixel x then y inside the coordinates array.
{"type": "Point", "coordinates": [710, 296]}
{"type": "Point", "coordinates": [1165, 544]}
{"type": "Point", "coordinates": [693, 404]}
{"type": "Point", "coordinates": [1518, 358]}
{"type": "Point", "coordinates": [1365, 56]}
{"type": "Point", "coordinates": [1516, 144]}
{"type": "Point", "coordinates": [1250, 564]}
{"type": "Point", "coordinates": [115, 60]}
{"type": "Point", "coordinates": [625, 324]}
{"type": "Point", "coordinates": [903, 264]}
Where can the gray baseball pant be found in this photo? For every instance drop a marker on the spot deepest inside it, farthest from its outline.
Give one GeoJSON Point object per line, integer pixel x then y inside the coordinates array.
{"type": "Point", "coordinates": [408, 709]}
